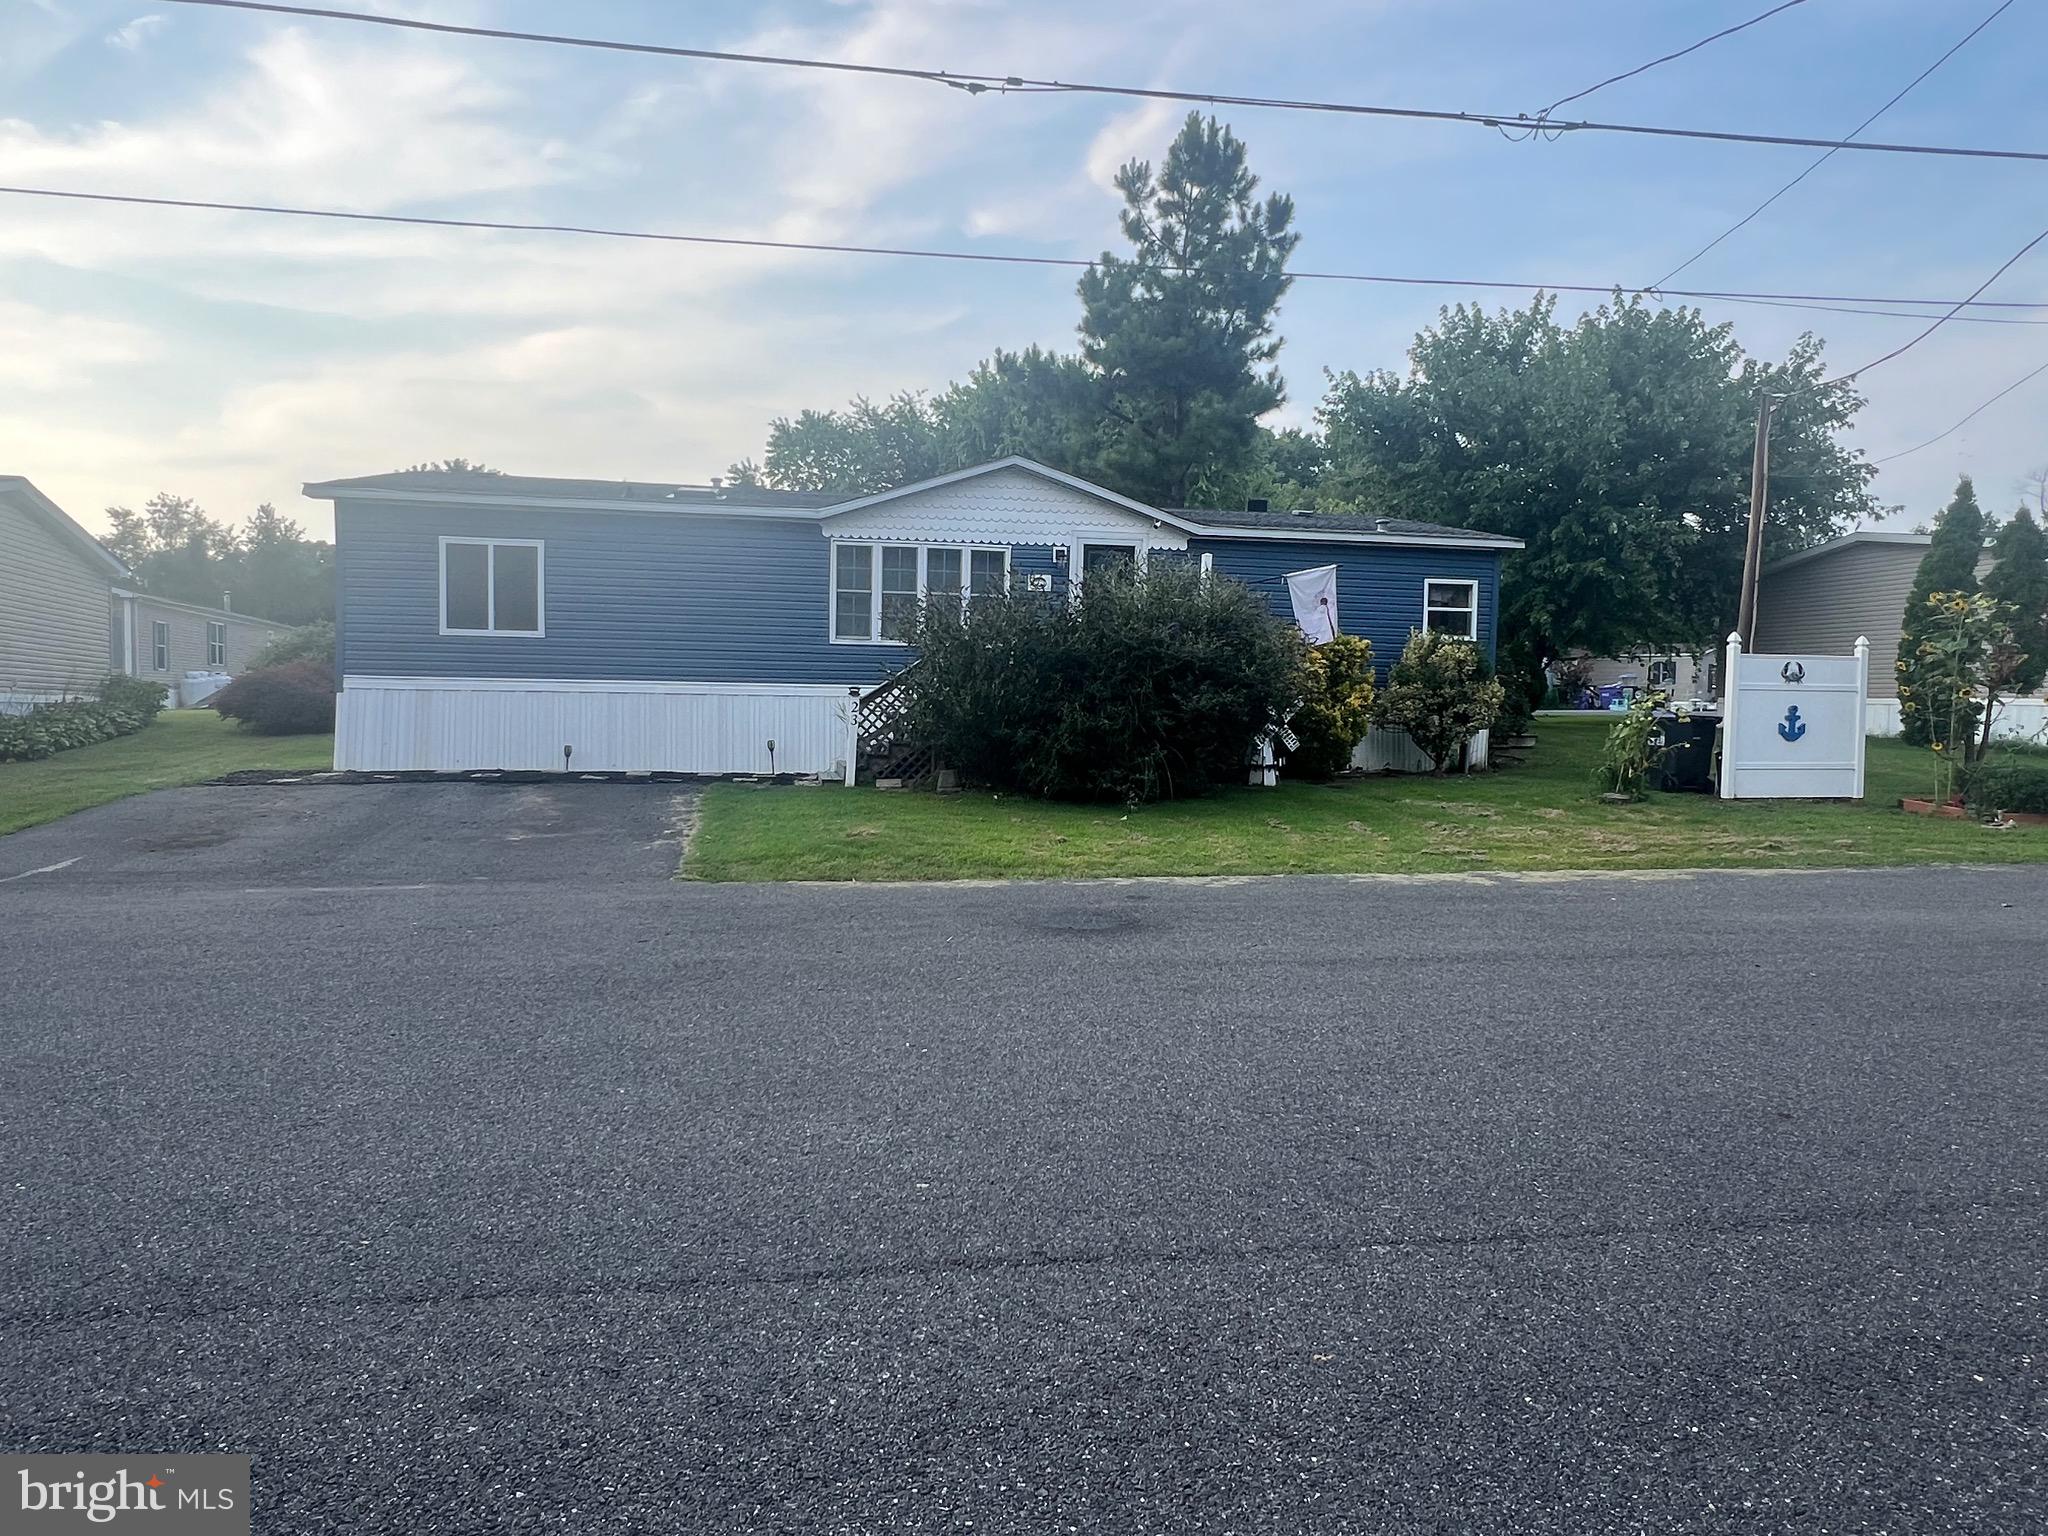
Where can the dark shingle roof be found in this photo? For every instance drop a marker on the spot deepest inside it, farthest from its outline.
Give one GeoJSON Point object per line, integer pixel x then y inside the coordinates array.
{"type": "Point", "coordinates": [550, 488]}
{"type": "Point", "coordinates": [1329, 522]}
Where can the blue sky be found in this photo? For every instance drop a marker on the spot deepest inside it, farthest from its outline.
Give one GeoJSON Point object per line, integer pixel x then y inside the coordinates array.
{"type": "Point", "coordinates": [231, 357]}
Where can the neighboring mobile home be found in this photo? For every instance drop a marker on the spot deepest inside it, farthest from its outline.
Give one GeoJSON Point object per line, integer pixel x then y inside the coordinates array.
{"type": "Point", "coordinates": [66, 619]}
{"type": "Point", "coordinates": [1820, 600]}
{"type": "Point", "coordinates": [510, 622]}
{"type": "Point", "coordinates": [55, 600]}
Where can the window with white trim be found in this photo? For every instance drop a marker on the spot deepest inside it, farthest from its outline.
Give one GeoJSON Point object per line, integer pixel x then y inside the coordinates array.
{"type": "Point", "coordinates": [1663, 673]}
{"type": "Point", "coordinates": [216, 643]}
{"type": "Point", "coordinates": [493, 586]}
{"type": "Point", "coordinates": [876, 588]}
{"type": "Point", "coordinates": [1451, 608]}
{"type": "Point", "coordinates": [159, 646]}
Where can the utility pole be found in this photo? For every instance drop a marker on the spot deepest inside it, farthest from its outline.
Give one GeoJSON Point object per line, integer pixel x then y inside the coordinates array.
{"type": "Point", "coordinates": [1759, 497]}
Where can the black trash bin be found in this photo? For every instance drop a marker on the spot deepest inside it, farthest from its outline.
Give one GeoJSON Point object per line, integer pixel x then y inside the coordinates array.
{"type": "Point", "coordinates": [1687, 761]}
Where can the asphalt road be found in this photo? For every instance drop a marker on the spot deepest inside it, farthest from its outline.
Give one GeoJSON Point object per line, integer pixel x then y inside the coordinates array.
{"type": "Point", "coordinates": [430, 1145]}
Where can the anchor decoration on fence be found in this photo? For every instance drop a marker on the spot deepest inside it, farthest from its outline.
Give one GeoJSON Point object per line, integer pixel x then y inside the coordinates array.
{"type": "Point", "coordinates": [1792, 727]}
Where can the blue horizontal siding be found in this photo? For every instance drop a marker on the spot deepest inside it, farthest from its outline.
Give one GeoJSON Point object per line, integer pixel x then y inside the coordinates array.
{"type": "Point", "coordinates": [1379, 586]}
{"type": "Point", "coordinates": [741, 600]}
{"type": "Point", "coordinates": [629, 597]}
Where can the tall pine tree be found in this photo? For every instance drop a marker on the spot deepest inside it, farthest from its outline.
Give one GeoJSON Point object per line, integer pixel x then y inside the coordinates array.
{"type": "Point", "coordinates": [1181, 332]}
{"type": "Point", "coordinates": [2019, 578]}
{"type": "Point", "coordinates": [1950, 565]}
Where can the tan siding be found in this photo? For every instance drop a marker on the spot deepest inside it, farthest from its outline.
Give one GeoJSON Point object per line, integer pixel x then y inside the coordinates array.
{"type": "Point", "coordinates": [245, 638]}
{"type": "Point", "coordinates": [1820, 606]}
{"type": "Point", "coordinates": [53, 609]}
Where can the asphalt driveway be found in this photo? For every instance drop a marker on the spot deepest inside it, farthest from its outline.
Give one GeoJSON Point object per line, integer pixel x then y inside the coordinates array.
{"type": "Point", "coordinates": [474, 1177]}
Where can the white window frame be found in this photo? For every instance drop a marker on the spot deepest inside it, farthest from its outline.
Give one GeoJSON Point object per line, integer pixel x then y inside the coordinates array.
{"type": "Point", "coordinates": [540, 575]}
{"type": "Point", "coordinates": [216, 643]}
{"type": "Point", "coordinates": [159, 645]}
{"type": "Point", "coordinates": [967, 554]}
{"type": "Point", "coordinates": [1471, 586]}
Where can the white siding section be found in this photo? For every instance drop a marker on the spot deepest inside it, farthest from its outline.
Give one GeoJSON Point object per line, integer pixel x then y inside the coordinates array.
{"type": "Point", "coordinates": [391, 725]}
{"type": "Point", "coordinates": [1008, 506]}
{"type": "Point", "coordinates": [1386, 751]}
{"type": "Point", "coordinates": [2016, 719]}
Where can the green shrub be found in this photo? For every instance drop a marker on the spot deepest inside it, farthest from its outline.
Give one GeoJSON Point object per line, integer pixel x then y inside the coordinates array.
{"type": "Point", "coordinates": [1439, 693]}
{"type": "Point", "coordinates": [1336, 709]}
{"type": "Point", "coordinates": [290, 700]}
{"type": "Point", "coordinates": [133, 693]}
{"type": "Point", "coordinates": [1147, 687]}
{"type": "Point", "coordinates": [52, 728]}
{"type": "Point", "coordinates": [2008, 780]}
{"type": "Point", "coordinates": [315, 642]}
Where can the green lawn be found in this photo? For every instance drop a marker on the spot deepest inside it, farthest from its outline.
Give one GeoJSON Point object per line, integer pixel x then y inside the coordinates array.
{"type": "Point", "coordinates": [1545, 815]}
{"type": "Point", "coordinates": [184, 746]}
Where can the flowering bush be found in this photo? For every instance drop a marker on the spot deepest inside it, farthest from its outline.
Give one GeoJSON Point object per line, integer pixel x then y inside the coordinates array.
{"type": "Point", "coordinates": [1439, 693]}
{"type": "Point", "coordinates": [1336, 710]}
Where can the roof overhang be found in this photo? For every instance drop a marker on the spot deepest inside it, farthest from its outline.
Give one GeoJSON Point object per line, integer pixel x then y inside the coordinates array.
{"type": "Point", "coordinates": [342, 490]}
{"type": "Point", "coordinates": [1847, 540]}
{"type": "Point", "coordinates": [23, 492]}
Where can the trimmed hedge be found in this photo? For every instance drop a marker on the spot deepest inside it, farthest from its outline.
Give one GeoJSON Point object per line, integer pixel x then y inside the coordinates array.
{"type": "Point", "coordinates": [291, 700]}
{"type": "Point", "coordinates": [124, 705]}
{"type": "Point", "coordinates": [1144, 688]}
{"type": "Point", "coordinates": [2008, 781]}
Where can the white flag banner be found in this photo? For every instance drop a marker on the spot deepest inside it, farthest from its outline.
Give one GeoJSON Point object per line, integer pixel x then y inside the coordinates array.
{"type": "Point", "coordinates": [1315, 602]}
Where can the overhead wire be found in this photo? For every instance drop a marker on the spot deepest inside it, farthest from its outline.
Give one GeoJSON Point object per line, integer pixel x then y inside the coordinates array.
{"type": "Point", "coordinates": [2027, 378]}
{"type": "Point", "coordinates": [429, 221]}
{"type": "Point", "coordinates": [980, 83]}
{"type": "Point", "coordinates": [1829, 154]}
{"type": "Point", "coordinates": [1642, 69]}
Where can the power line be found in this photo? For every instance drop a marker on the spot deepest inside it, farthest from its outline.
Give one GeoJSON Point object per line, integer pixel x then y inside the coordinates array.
{"type": "Point", "coordinates": [978, 84]}
{"type": "Point", "coordinates": [1892, 314]}
{"type": "Point", "coordinates": [1905, 347]}
{"type": "Point", "coordinates": [1803, 300]}
{"type": "Point", "coordinates": [1830, 154]}
{"type": "Point", "coordinates": [1640, 69]}
{"type": "Point", "coordinates": [2015, 384]}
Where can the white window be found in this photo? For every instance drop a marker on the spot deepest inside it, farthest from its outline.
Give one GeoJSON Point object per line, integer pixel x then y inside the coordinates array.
{"type": "Point", "coordinates": [493, 586]}
{"type": "Point", "coordinates": [159, 646]}
{"type": "Point", "coordinates": [853, 592]}
{"type": "Point", "coordinates": [876, 588]}
{"type": "Point", "coordinates": [216, 643]}
{"type": "Point", "coordinates": [1451, 608]}
{"type": "Point", "coordinates": [1663, 673]}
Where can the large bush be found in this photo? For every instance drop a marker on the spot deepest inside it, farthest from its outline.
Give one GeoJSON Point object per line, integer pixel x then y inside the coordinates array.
{"type": "Point", "coordinates": [290, 700]}
{"type": "Point", "coordinates": [2008, 781]}
{"type": "Point", "coordinates": [1336, 707]}
{"type": "Point", "coordinates": [1440, 694]}
{"type": "Point", "coordinates": [1146, 687]}
{"type": "Point", "coordinates": [313, 642]}
{"type": "Point", "coordinates": [124, 705]}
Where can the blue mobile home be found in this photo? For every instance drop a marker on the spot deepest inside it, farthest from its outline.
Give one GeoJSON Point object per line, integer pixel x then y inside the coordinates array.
{"type": "Point", "coordinates": [509, 622]}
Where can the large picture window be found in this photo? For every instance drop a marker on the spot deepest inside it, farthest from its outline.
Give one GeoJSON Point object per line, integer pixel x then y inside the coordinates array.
{"type": "Point", "coordinates": [492, 586]}
{"type": "Point", "coordinates": [1451, 608]}
{"type": "Point", "coordinates": [876, 588]}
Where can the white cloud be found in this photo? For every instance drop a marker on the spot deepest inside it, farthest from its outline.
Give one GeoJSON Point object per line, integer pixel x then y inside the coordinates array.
{"type": "Point", "coordinates": [130, 37]}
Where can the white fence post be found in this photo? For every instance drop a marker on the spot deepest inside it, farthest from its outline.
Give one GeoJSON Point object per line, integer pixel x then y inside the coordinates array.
{"type": "Point", "coordinates": [1731, 690]}
{"type": "Point", "coordinates": [852, 734]}
{"type": "Point", "coordinates": [1862, 708]}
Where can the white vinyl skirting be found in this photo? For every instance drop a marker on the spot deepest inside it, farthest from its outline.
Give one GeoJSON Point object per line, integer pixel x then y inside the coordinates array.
{"type": "Point", "coordinates": [393, 725]}
{"type": "Point", "coordinates": [1386, 751]}
{"type": "Point", "coordinates": [2016, 718]}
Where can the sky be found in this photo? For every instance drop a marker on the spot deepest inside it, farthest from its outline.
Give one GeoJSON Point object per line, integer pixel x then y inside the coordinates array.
{"type": "Point", "coordinates": [232, 357]}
